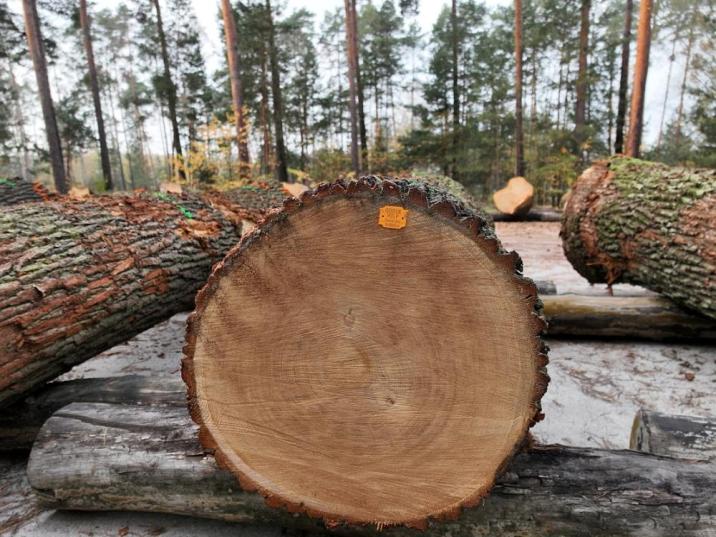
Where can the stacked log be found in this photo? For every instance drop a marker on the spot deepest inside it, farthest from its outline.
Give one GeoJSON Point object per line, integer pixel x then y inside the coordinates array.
{"type": "Point", "coordinates": [354, 340]}
{"type": "Point", "coordinates": [78, 277]}
{"type": "Point", "coordinates": [647, 224]}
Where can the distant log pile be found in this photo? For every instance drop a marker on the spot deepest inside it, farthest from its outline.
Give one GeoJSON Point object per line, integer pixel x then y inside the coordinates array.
{"type": "Point", "coordinates": [77, 277]}
{"type": "Point", "coordinates": [648, 224]}
{"type": "Point", "coordinates": [15, 190]}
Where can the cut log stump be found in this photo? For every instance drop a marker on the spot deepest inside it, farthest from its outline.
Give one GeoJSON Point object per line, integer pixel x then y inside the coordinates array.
{"type": "Point", "coordinates": [684, 437]}
{"type": "Point", "coordinates": [370, 355]}
{"type": "Point", "coordinates": [78, 277]}
{"type": "Point", "coordinates": [647, 224]}
{"type": "Point", "coordinates": [114, 457]}
{"type": "Point", "coordinates": [516, 198]}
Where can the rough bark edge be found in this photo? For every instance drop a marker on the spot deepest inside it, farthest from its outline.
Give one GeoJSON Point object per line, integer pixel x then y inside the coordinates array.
{"type": "Point", "coordinates": [416, 194]}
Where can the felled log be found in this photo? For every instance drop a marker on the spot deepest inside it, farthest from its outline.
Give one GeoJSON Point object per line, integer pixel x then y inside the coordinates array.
{"type": "Point", "coordinates": [20, 422]}
{"type": "Point", "coordinates": [516, 198]}
{"type": "Point", "coordinates": [112, 457]}
{"type": "Point", "coordinates": [14, 190]}
{"type": "Point", "coordinates": [636, 317]}
{"type": "Point", "coordinates": [355, 340]}
{"type": "Point", "coordinates": [648, 224]}
{"type": "Point", "coordinates": [541, 214]}
{"type": "Point", "coordinates": [683, 437]}
{"type": "Point", "coordinates": [78, 277]}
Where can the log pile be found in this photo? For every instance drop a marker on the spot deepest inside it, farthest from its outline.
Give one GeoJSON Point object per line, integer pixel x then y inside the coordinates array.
{"type": "Point", "coordinates": [683, 437]}
{"type": "Point", "coordinates": [647, 224]}
{"type": "Point", "coordinates": [78, 277]}
{"type": "Point", "coordinates": [15, 190]}
{"type": "Point", "coordinates": [426, 343]}
{"type": "Point", "coordinates": [116, 457]}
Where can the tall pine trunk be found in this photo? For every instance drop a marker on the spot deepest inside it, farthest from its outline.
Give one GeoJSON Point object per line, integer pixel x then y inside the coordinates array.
{"type": "Point", "coordinates": [581, 86]}
{"type": "Point", "coordinates": [519, 128]}
{"type": "Point", "coordinates": [680, 109]}
{"type": "Point", "coordinates": [666, 89]}
{"type": "Point", "coordinates": [237, 94]}
{"type": "Point", "coordinates": [623, 78]}
{"type": "Point", "coordinates": [455, 87]}
{"type": "Point", "coordinates": [281, 165]}
{"type": "Point", "coordinates": [171, 89]}
{"type": "Point", "coordinates": [94, 87]}
{"type": "Point", "coordinates": [21, 122]}
{"type": "Point", "coordinates": [264, 117]}
{"type": "Point", "coordinates": [352, 57]}
{"type": "Point", "coordinates": [37, 52]}
{"type": "Point", "coordinates": [641, 67]}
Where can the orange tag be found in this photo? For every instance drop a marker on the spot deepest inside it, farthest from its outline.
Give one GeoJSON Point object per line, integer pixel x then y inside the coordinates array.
{"type": "Point", "coordinates": [393, 217]}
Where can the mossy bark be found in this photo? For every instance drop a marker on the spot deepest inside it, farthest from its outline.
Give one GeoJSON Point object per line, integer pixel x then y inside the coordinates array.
{"type": "Point", "coordinates": [78, 277]}
{"type": "Point", "coordinates": [648, 224]}
{"type": "Point", "coordinates": [15, 190]}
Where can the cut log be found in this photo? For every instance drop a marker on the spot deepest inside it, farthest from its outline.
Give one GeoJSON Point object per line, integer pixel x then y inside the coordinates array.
{"type": "Point", "coordinates": [112, 457]}
{"type": "Point", "coordinates": [647, 224]}
{"type": "Point", "coordinates": [78, 277]}
{"type": "Point", "coordinates": [371, 339]}
{"type": "Point", "coordinates": [634, 317]}
{"type": "Point", "coordinates": [20, 422]}
{"type": "Point", "coordinates": [542, 214]}
{"type": "Point", "coordinates": [683, 437]}
{"type": "Point", "coordinates": [15, 190]}
{"type": "Point", "coordinates": [516, 198]}
{"type": "Point", "coordinates": [252, 201]}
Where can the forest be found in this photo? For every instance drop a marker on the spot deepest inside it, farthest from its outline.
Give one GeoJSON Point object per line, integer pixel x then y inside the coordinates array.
{"type": "Point", "coordinates": [135, 103]}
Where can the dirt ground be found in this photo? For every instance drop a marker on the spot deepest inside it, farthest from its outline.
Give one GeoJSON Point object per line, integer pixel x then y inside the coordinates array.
{"type": "Point", "coordinates": [596, 388]}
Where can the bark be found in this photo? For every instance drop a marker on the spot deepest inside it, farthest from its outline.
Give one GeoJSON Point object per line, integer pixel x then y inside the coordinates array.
{"type": "Point", "coordinates": [37, 52]}
{"type": "Point", "coordinates": [15, 190]}
{"type": "Point", "coordinates": [519, 128]}
{"type": "Point", "coordinates": [93, 457]}
{"type": "Point", "coordinates": [641, 67]}
{"type": "Point", "coordinates": [581, 86]}
{"type": "Point", "coordinates": [281, 164]}
{"type": "Point", "coordinates": [648, 224]}
{"type": "Point", "coordinates": [623, 78]}
{"type": "Point", "coordinates": [633, 317]}
{"type": "Point", "coordinates": [681, 437]}
{"type": "Point", "coordinates": [352, 54]}
{"type": "Point", "coordinates": [237, 93]}
{"type": "Point", "coordinates": [78, 277]}
{"type": "Point", "coordinates": [171, 88]}
{"type": "Point", "coordinates": [20, 422]}
{"type": "Point", "coordinates": [94, 87]}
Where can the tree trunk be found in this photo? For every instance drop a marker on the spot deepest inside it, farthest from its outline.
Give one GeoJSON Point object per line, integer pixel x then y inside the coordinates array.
{"type": "Point", "coordinates": [359, 89]}
{"type": "Point", "coordinates": [94, 87]}
{"type": "Point", "coordinates": [14, 191]}
{"type": "Point", "coordinates": [387, 344]}
{"type": "Point", "coordinates": [171, 90]}
{"type": "Point", "coordinates": [633, 317]}
{"type": "Point", "coordinates": [93, 457]}
{"type": "Point", "coordinates": [672, 57]}
{"type": "Point", "coordinates": [281, 164]}
{"type": "Point", "coordinates": [687, 65]}
{"type": "Point", "coordinates": [641, 67]}
{"type": "Point", "coordinates": [519, 129]}
{"type": "Point", "coordinates": [21, 122]}
{"type": "Point", "coordinates": [101, 271]}
{"type": "Point", "coordinates": [582, 75]}
{"type": "Point", "coordinates": [647, 224]}
{"type": "Point", "coordinates": [455, 88]}
{"type": "Point", "coordinates": [352, 55]}
{"type": "Point", "coordinates": [681, 437]}
{"type": "Point", "coordinates": [237, 93]}
{"type": "Point", "coordinates": [264, 119]}
{"type": "Point", "coordinates": [623, 78]}
{"type": "Point", "coordinates": [37, 52]}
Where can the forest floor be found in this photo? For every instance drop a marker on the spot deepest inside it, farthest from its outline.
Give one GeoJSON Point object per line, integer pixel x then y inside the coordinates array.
{"type": "Point", "coordinates": [596, 388]}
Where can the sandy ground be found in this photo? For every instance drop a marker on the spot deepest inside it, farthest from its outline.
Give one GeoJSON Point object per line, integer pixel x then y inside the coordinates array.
{"type": "Point", "coordinates": [595, 390]}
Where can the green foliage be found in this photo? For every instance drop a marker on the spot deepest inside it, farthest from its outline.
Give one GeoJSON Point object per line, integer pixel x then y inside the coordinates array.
{"type": "Point", "coordinates": [328, 165]}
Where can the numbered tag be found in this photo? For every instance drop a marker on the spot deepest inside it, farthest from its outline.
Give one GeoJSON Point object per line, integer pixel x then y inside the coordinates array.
{"type": "Point", "coordinates": [393, 217]}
